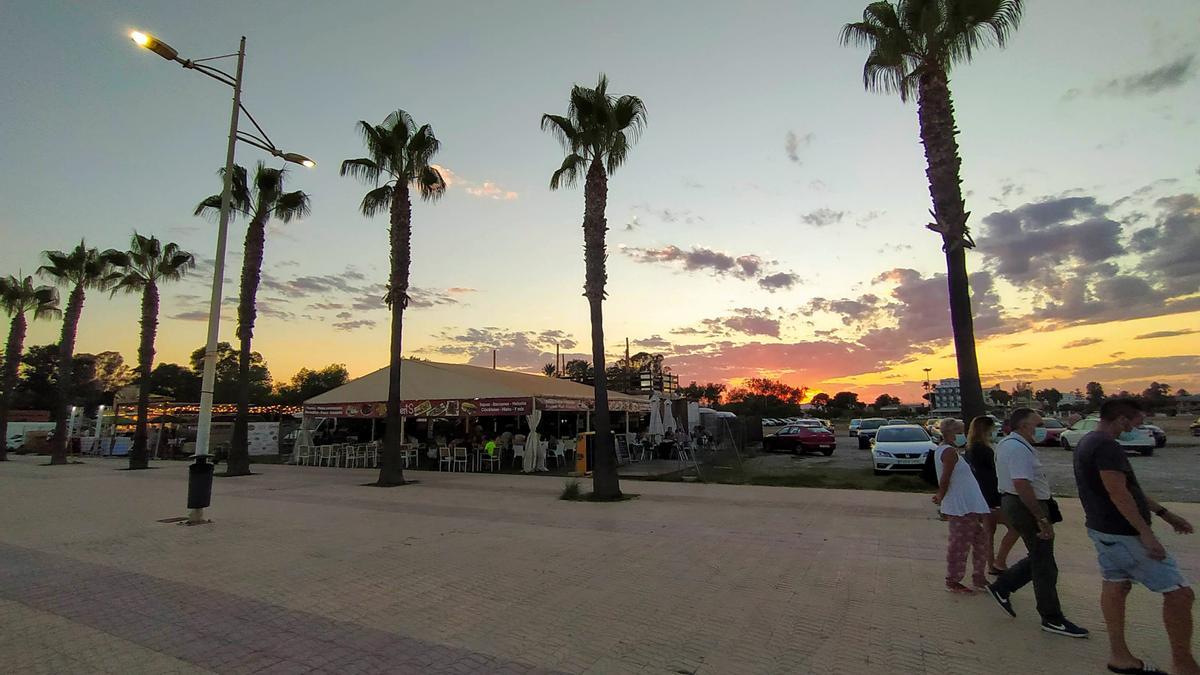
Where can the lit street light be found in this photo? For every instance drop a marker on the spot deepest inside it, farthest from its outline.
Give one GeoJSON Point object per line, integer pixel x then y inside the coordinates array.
{"type": "Point", "coordinates": [200, 473]}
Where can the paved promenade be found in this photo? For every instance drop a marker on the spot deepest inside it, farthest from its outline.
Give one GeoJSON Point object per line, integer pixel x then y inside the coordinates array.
{"type": "Point", "coordinates": [304, 570]}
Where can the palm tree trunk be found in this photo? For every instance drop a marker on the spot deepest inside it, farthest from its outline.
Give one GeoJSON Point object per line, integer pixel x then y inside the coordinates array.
{"type": "Point", "coordinates": [936, 115]}
{"type": "Point", "coordinates": [66, 354]}
{"type": "Point", "coordinates": [12, 367]}
{"type": "Point", "coordinates": [605, 484]}
{"type": "Point", "coordinates": [139, 455]}
{"type": "Point", "coordinates": [256, 235]}
{"type": "Point", "coordinates": [391, 466]}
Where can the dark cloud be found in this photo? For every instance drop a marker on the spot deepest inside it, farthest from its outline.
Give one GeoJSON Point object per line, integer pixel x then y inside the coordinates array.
{"type": "Point", "coordinates": [852, 312]}
{"type": "Point", "coordinates": [699, 258]}
{"type": "Point", "coordinates": [779, 281]}
{"type": "Point", "coordinates": [1166, 334]}
{"type": "Point", "coordinates": [743, 321]}
{"type": "Point", "coordinates": [519, 350]}
{"type": "Point", "coordinates": [914, 317]}
{"type": "Point", "coordinates": [1075, 262]}
{"type": "Point", "coordinates": [1083, 342]}
{"type": "Point", "coordinates": [652, 342]}
{"type": "Point", "coordinates": [354, 325]}
{"type": "Point", "coordinates": [327, 306]}
{"type": "Point", "coordinates": [1156, 80]}
{"type": "Point", "coordinates": [792, 144]}
{"type": "Point", "coordinates": [823, 217]}
{"type": "Point", "coordinates": [197, 315]}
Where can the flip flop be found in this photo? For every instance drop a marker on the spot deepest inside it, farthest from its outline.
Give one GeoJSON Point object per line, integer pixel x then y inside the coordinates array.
{"type": "Point", "coordinates": [1146, 668]}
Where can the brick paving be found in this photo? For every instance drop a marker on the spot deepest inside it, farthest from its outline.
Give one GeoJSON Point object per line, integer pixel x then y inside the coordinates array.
{"type": "Point", "coordinates": [305, 570]}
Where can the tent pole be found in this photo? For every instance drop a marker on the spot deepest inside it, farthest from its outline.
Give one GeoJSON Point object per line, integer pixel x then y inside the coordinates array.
{"type": "Point", "coordinates": [587, 423]}
{"type": "Point", "coordinates": [372, 429]}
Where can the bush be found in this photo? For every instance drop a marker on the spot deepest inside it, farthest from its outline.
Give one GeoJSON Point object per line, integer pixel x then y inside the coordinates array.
{"type": "Point", "coordinates": [570, 491]}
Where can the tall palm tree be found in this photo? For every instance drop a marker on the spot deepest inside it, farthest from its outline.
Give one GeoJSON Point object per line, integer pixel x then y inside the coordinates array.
{"type": "Point", "coordinates": [913, 44]}
{"type": "Point", "coordinates": [596, 132]}
{"type": "Point", "coordinates": [80, 269]}
{"type": "Point", "coordinates": [398, 157]}
{"type": "Point", "coordinates": [262, 201]}
{"type": "Point", "coordinates": [147, 264]}
{"type": "Point", "coordinates": [18, 297]}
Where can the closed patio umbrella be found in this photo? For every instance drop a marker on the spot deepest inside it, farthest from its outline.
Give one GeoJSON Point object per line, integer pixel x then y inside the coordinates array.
{"type": "Point", "coordinates": [532, 441]}
{"type": "Point", "coordinates": [656, 429]}
{"type": "Point", "coordinates": [668, 420]}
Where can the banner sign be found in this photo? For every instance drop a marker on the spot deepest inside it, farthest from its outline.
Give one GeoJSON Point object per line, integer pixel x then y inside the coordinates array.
{"type": "Point", "coordinates": [28, 415]}
{"type": "Point", "coordinates": [454, 407]}
{"type": "Point", "coordinates": [583, 405]}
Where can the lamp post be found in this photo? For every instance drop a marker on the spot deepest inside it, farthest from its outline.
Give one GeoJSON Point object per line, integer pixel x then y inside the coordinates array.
{"type": "Point", "coordinates": [200, 473]}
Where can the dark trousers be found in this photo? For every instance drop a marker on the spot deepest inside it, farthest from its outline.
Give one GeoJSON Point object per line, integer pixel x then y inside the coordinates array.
{"type": "Point", "coordinates": [1038, 567]}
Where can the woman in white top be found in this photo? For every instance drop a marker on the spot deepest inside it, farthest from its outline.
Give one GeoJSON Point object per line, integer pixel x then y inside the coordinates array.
{"type": "Point", "coordinates": [963, 504]}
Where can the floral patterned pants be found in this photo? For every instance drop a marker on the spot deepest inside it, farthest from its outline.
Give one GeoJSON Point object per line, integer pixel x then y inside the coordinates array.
{"type": "Point", "coordinates": [966, 536]}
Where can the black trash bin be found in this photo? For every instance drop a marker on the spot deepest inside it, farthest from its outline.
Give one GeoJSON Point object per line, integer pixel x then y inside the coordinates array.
{"type": "Point", "coordinates": [200, 480]}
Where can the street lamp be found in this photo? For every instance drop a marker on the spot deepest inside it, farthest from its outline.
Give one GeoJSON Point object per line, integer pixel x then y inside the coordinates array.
{"type": "Point", "coordinates": [200, 474]}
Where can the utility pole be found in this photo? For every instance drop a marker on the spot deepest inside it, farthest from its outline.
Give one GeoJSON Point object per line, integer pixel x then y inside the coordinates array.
{"type": "Point", "coordinates": [493, 359]}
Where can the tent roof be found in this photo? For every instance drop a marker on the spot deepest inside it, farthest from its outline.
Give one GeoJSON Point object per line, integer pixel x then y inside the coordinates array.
{"type": "Point", "coordinates": [426, 380]}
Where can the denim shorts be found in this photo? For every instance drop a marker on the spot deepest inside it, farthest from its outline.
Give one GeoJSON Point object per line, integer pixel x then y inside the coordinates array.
{"type": "Point", "coordinates": [1124, 558]}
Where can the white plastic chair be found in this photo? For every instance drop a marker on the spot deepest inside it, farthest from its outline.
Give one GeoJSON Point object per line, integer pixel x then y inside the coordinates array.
{"type": "Point", "coordinates": [461, 457]}
{"type": "Point", "coordinates": [372, 454]}
{"type": "Point", "coordinates": [444, 457]}
{"type": "Point", "coordinates": [302, 455]}
{"type": "Point", "coordinates": [491, 460]}
{"type": "Point", "coordinates": [558, 454]}
{"type": "Point", "coordinates": [518, 453]}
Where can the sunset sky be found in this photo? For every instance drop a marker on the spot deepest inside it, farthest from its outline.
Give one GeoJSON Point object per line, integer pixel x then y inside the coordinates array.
{"type": "Point", "coordinates": [770, 222]}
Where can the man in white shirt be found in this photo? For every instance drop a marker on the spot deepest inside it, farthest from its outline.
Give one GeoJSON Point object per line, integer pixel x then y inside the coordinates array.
{"type": "Point", "coordinates": [1025, 499]}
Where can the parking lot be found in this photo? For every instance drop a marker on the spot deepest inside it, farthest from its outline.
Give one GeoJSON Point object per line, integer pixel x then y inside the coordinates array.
{"type": "Point", "coordinates": [1172, 473]}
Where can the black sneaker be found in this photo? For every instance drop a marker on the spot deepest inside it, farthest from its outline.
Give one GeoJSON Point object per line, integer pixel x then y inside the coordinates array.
{"type": "Point", "coordinates": [1002, 600]}
{"type": "Point", "coordinates": [1064, 627]}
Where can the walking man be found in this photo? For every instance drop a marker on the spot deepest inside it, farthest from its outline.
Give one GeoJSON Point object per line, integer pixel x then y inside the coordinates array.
{"type": "Point", "coordinates": [1025, 499]}
{"type": "Point", "coordinates": [1118, 522]}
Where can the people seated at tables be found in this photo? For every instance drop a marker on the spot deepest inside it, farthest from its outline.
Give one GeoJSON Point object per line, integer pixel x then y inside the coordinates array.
{"type": "Point", "coordinates": [491, 448]}
{"type": "Point", "coordinates": [506, 439]}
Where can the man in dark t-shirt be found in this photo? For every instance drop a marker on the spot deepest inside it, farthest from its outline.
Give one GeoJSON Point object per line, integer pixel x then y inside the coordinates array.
{"type": "Point", "coordinates": [1118, 522]}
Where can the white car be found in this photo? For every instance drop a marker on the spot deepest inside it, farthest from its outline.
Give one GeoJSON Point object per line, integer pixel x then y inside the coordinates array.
{"type": "Point", "coordinates": [1142, 441]}
{"type": "Point", "coordinates": [900, 447]}
{"type": "Point", "coordinates": [854, 425]}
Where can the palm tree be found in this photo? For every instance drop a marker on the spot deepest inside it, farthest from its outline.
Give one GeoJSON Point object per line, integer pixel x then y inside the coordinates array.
{"type": "Point", "coordinates": [549, 370]}
{"type": "Point", "coordinates": [596, 132]}
{"type": "Point", "coordinates": [18, 297]}
{"type": "Point", "coordinates": [260, 203]}
{"type": "Point", "coordinates": [399, 155]}
{"type": "Point", "coordinates": [80, 269]}
{"type": "Point", "coordinates": [913, 44]}
{"type": "Point", "coordinates": [147, 264]}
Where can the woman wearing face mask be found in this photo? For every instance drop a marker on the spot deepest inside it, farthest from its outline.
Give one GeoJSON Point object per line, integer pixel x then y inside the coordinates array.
{"type": "Point", "coordinates": [962, 503]}
{"type": "Point", "coordinates": [982, 459]}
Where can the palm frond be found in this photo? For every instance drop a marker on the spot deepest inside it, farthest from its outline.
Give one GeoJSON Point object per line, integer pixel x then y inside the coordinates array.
{"type": "Point", "coordinates": [562, 129]}
{"type": "Point", "coordinates": [973, 24]}
{"type": "Point", "coordinates": [430, 184]}
{"type": "Point", "coordinates": [377, 201]}
{"type": "Point", "coordinates": [629, 116]}
{"type": "Point", "coordinates": [401, 126]}
{"type": "Point", "coordinates": [44, 302]}
{"type": "Point", "coordinates": [268, 180]}
{"type": "Point", "coordinates": [568, 174]}
{"type": "Point", "coordinates": [618, 148]}
{"type": "Point", "coordinates": [420, 150]}
{"type": "Point", "coordinates": [292, 206]}
{"type": "Point", "coordinates": [363, 169]}
{"type": "Point", "coordinates": [375, 138]}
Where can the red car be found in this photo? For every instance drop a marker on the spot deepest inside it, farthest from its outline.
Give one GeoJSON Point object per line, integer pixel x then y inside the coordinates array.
{"type": "Point", "coordinates": [803, 436]}
{"type": "Point", "coordinates": [1054, 428]}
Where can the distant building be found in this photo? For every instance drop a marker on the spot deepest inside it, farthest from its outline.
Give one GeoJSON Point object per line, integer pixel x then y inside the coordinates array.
{"type": "Point", "coordinates": [1070, 400]}
{"type": "Point", "coordinates": [946, 397]}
